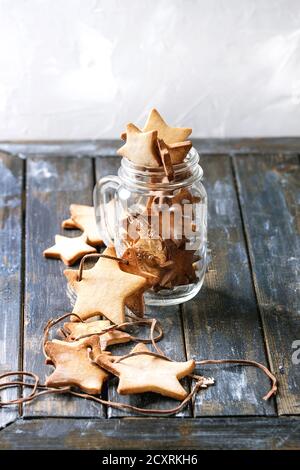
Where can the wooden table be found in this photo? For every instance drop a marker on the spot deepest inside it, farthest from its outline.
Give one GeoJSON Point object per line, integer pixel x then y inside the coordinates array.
{"type": "Point", "coordinates": [248, 307]}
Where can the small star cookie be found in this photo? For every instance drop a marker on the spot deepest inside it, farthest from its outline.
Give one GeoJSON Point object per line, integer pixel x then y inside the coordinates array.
{"type": "Point", "coordinates": [83, 217]}
{"type": "Point", "coordinates": [170, 135]}
{"type": "Point", "coordinates": [141, 147]}
{"type": "Point", "coordinates": [76, 330]}
{"type": "Point", "coordinates": [179, 151]}
{"type": "Point", "coordinates": [73, 365]}
{"type": "Point", "coordinates": [145, 373]}
{"type": "Point", "coordinates": [69, 250]}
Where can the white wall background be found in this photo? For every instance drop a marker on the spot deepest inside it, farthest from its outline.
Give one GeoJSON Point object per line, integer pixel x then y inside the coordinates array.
{"type": "Point", "coordinates": [73, 69]}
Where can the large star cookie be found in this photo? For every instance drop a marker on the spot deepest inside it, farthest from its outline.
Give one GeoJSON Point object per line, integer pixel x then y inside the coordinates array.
{"type": "Point", "coordinates": [145, 373]}
{"type": "Point", "coordinates": [104, 289]}
{"type": "Point", "coordinates": [69, 250]}
{"type": "Point", "coordinates": [73, 366]}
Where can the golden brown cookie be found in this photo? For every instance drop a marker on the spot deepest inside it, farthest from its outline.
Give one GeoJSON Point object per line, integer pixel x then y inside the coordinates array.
{"type": "Point", "coordinates": [141, 147]}
{"type": "Point", "coordinates": [73, 365]}
{"type": "Point", "coordinates": [104, 289]}
{"type": "Point", "coordinates": [145, 373]}
{"type": "Point", "coordinates": [166, 159]}
{"type": "Point", "coordinates": [76, 330]}
{"type": "Point", "coordinates": [169, 134]}
{"type": "Point", "coordinates": [69, 250]}
{"type": "Point", "coordinates": [181, 272]}
{"type": "Point", "coordinates": [179, 151]}
{"type": "Point", "coordinates": [83, 217]}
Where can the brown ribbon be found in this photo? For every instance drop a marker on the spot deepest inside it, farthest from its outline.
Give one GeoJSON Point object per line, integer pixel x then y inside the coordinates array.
{"type": "Point", "coordinates": [40, 389]}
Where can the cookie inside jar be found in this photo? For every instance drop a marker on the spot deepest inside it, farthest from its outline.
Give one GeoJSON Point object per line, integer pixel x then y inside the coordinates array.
{"type": "Point", "coordinates": [160, 240]}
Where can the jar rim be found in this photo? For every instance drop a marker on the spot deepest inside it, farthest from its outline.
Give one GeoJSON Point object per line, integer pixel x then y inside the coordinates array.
{"type": "Point", "coordinates": [130, 172]}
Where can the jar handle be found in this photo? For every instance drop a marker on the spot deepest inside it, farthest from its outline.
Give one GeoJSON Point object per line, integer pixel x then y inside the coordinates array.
{"type": "Point", "coordinates": [104, 192]}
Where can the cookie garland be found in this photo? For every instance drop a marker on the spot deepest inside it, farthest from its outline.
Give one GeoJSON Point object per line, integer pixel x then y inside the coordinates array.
{"type": "Point", "coordinates": [39, 389]}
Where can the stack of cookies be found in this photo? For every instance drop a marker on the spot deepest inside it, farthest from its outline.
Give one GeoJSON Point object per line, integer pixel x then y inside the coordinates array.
{"type": "Point", "coordinates": [162, 259]}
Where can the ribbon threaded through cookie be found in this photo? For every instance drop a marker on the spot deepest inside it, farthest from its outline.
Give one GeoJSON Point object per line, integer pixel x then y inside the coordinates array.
{"type": "Point", "coordinates": [39, 389]}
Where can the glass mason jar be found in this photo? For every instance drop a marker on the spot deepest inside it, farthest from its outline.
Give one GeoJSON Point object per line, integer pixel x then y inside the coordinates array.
{"type": "Point", "coordinates": [159, 226]}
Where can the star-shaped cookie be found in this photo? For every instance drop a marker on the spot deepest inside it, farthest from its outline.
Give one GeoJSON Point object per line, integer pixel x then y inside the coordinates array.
{"type": "Point", "coordinates": [179, 151]}
{"type": "Point", "coordinates": [83, 217]}
{"type": "Point", "coordinates": [76, 330]}
{"type": "Point", "coordinates": [73, 366]}
{"type": "Point", "coordinates": [69, 250]}
{"type": "Point", "coordinates": [182, 271]}
{"type": "Point", "coordinates": [170, 135]}
{"type": "Point", "coordinates": [145, 373]}
{"type": "Point", "coordinates": [141, 147]}
{"type": "Point", "coordinates": [104, 289]}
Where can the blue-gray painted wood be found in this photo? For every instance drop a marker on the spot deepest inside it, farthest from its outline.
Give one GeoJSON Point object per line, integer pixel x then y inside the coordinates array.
{"type": "Point", "coordinates": [222, 321]}
{"type": "Point", "coordinates": [160, 433]}
{"type": "Point", "coordinates": [108, 147]}
{"type": "Point", "coordinates": [11, 177]}
{"type": "Point", "coordinates": [269, 189]}
{"type": "Point", "coordinates": [52, 185]}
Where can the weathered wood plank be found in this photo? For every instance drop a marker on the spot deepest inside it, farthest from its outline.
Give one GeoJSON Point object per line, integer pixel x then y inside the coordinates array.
{"type": "Point", "coordinates": [222, 321]}
{"type": "Point", "coordinates": [11, 177]}
{"type": "Point", "coordinates": [159, 433]}
{"type": "Point", "coordinates": [52, 185]}
{"type": "Point", "coordinates": [106, 147]}
{"type": "Point", "coordinates": [270, 194]}
{"type": "Point", "coordinates": [172, 344]}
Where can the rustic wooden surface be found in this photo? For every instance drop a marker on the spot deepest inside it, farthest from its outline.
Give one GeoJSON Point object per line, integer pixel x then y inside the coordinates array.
{"type": "Point", "coordinates": [248, 306]}
{"type": "Point", "coordinates": [51, 186]}
{"type": "Point", "coordinates": [270, 196]}
{"type": "Point", "coordinates": [11, 182]}
{"type": "Point", "coordinates": [108, 147]}
{"type": "Point", "coordinates": [151, 434]}
{"type": "Point", "coordinates": [222, 321]}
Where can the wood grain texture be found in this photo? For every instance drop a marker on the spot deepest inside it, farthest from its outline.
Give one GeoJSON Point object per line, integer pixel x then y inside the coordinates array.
{"type": "Point", "coordinates": [149, 434]}
{"type": "Point", "coordinates": [172, 344]}
{"type": "Point", "coordinates": [108, 147]}
{"type": "Point", "coordinates": [222, 321]}
{"type": "Point", "coordinates": [52, 185]}
{"type": "Point", "coordinates": [269, 189]}
{"type": "Point", "coordinates": [11, 177]}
